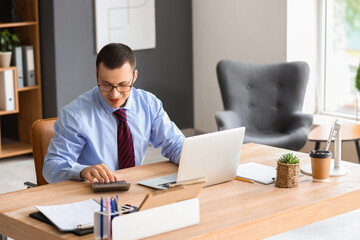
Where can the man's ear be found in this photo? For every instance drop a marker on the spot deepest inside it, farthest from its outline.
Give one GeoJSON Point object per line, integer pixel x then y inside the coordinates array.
{"type": "Point", "coordinates": [96, 73]}
{"type": "Point", "coordinates": [135, 75]}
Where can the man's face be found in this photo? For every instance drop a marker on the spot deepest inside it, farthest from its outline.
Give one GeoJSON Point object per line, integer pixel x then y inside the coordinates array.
{"type": "Point", "coordinates": [120, 77]}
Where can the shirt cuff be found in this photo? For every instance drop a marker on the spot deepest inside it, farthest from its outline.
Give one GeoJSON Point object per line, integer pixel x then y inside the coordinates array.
{"type": "Point", "coordinates": [74, 173]}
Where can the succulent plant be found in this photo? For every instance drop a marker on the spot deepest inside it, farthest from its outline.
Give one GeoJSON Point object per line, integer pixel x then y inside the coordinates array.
{"type": "Point", "coordinates": [289, 158]}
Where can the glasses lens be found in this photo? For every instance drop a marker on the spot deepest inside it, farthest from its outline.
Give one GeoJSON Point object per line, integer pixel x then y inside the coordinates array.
{"type": "Point", "coordinates": [123, 88]}
{"type": "Point", "coordinates": [105, 88]}
{"type": "Point", "coordinates": [109, 88]}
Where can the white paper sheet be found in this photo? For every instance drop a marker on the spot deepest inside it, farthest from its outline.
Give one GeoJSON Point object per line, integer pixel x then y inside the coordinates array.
{"type": "Point", "coordinates": [68, 217]}
{"type": "Point", "coordinates": [257, 172]}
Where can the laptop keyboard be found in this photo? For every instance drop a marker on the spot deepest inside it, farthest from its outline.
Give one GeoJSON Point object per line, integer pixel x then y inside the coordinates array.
{"type": "Point", "coordinates": [166, 185]}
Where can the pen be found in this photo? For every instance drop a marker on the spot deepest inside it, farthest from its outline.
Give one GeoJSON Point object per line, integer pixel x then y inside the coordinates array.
{"type": "Point", "coordinates": [112, 208]}
{"type": "Point", "coordinates": [108, 208]}
{"type": "Point", "coordinates": [116, 205]}
{"type": "Point", "coordinates": [244, 179]}
{"type": "Point", "coordinates": [101, 218]}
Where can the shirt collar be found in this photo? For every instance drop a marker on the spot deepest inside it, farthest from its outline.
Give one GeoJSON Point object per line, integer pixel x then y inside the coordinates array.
{"type": "Point", "coordinates": [110, 110]}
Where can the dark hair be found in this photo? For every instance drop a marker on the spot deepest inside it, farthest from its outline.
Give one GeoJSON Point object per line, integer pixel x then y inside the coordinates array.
{"type": "Point", "coordinates": [115, 55]}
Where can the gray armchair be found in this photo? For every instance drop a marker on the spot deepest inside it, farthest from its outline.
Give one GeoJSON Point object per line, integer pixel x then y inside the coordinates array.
{"type": "Point", "coordinates": [267, 100]}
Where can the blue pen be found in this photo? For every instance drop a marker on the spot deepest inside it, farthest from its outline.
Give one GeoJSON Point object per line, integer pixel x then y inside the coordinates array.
{"type": "Point", "coordinates": [101, 218]}
{"type": "Point", "coordinates": [112, 208]}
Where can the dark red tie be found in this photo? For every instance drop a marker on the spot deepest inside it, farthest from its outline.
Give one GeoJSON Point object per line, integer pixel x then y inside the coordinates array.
{"type": "Point", "coordinates": [125, 142]}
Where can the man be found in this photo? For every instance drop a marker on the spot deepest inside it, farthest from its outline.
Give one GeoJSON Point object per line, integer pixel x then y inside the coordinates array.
{"type": "Point", "coordinates": [110, 126]}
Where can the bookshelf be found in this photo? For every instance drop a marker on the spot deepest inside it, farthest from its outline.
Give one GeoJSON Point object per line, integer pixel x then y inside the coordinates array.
{"type": "Point", "coordinates": [28, 99]}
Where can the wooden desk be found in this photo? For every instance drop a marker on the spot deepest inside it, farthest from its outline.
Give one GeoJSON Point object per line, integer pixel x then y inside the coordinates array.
{"type": "Point", "coordinates": [232, 210]}
{"type": "Point", "coordinates": [349, 132]}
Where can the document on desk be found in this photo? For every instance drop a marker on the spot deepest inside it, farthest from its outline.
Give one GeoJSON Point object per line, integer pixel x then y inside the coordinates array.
{"type": "Point", "coordinates": [257, 172]}
{"type": "Point", "coordinates": [69, 217]}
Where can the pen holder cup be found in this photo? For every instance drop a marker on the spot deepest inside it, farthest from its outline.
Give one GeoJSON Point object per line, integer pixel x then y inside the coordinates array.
{"type": "Point", "coordinates": [104, 216]}
{"type": "Point", "coordinates": [149, 222]}
{"type": "Point", "coordinates": [97, 224]}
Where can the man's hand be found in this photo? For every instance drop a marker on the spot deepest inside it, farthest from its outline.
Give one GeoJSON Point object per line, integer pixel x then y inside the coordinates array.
{"type": "Point", "coordinates": [100, 172]}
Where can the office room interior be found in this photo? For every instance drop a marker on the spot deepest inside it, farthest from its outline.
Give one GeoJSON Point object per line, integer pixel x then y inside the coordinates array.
{"type": "Point", "coordinates": [192, 37]}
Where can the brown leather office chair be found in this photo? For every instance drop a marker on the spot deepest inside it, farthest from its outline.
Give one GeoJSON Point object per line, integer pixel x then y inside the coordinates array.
{"type": "Point", "coordinates": [41, 132]}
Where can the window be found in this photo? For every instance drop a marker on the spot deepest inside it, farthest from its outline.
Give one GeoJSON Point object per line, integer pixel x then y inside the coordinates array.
{"type": "Point", "coordinates": [342, 56]}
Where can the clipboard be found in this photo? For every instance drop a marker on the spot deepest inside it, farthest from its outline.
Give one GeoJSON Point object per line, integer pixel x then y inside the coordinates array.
{"type": "Point", "coordinates": [177, 192]}
{"type": "Point", "coordinates": [41, 217]}
{"type": "Point", "coordinates": [72, 216]}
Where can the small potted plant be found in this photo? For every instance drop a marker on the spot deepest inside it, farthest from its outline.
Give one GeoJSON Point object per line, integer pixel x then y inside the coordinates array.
{"type": "Point", "coordinates": [287, 172]}
{"type": "Point", "coordinates": [357, 86]}
{"type": "Point", "coordinates": [7, 43]}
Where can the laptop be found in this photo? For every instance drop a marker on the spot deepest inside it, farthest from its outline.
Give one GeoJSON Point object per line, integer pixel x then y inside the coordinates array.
{"type": "Point", "coordinates": [215, 156]}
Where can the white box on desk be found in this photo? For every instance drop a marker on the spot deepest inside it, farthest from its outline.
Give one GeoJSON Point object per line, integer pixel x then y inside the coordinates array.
{"type": "Point", "coordinates": [150, 222]}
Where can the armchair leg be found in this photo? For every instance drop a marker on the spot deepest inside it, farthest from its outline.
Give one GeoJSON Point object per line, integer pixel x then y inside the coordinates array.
{"type": "Point", "coordinates": [317, 145]}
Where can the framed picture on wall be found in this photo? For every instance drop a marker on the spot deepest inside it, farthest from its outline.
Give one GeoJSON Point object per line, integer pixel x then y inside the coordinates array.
{"type": "Point", "coordinates": [129, 22]}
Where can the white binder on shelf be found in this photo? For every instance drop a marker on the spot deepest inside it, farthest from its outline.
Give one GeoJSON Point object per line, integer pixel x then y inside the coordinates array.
{"type": "Point", "coordinates": [28, 65]}
{"type": "Point", "coordinates": [7, 91]}
{"type": "Point", "coordinates": [149, 222]}
{"type": "Point", "coordinates": [17, 60]}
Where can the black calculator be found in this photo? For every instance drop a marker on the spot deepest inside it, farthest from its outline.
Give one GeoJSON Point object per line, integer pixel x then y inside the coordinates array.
{"type": "Point", "coordinates": [121, 185]}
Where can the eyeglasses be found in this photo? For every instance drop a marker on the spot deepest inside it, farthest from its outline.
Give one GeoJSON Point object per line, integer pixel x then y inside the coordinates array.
{"type": "Point", "coordinates": [119, 88]}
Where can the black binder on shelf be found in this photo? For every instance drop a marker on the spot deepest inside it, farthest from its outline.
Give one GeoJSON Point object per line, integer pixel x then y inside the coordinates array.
{"type": "Point", "coordinates": [28, 65]}
{"type": "Point", "coordinates": [17, 60]}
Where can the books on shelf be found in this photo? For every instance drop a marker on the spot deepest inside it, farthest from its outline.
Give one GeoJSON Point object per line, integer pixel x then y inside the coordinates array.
{"type": "Point", "coordinates": [7, 91]}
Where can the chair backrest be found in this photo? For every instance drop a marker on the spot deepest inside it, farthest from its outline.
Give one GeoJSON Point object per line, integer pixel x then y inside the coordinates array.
{"type": "Point", "coordinates": [42, 131]}
{"type": "Point", "coordinates": [263, 96]}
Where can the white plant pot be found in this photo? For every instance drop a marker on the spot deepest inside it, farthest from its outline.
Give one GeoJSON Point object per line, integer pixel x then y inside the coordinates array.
{"type": "Point", "coordinates": [5, 59]}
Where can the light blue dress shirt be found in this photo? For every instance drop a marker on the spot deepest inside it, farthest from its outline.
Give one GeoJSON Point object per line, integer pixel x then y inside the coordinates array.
{"type": "Point", "coordinates": [86, 134]}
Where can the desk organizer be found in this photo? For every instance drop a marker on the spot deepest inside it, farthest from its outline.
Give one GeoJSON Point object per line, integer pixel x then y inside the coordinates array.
{"type": "Point", "coordinates": [149, 222]}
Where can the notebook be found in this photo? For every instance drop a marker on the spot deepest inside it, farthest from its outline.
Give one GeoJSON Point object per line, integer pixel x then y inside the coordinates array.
{"type": "Point", "coordinates": [257, 172]}
{"type": "Point", "coordinates": [215, 156]}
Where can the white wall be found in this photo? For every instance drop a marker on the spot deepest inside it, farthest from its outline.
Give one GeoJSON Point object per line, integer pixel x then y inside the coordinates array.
{"type": "Point", "coordinates": [302, 37]}
{"type": "Point", "coordinates": [245, 30]}
{"type": "Point", "coordinates": [254, 31]}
